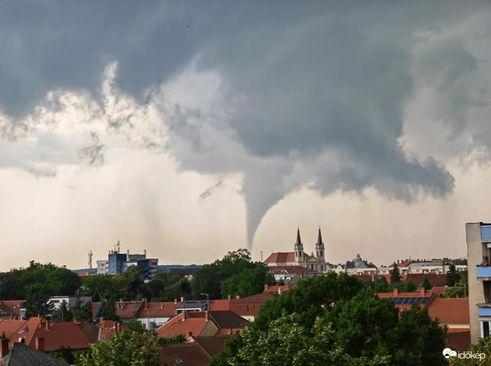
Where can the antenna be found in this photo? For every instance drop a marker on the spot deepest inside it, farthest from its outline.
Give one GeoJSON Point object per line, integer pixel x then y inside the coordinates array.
{"type": "Point", "coordinates": [90, 259]}
{"type": "Point", "coordinates": [118, 245]}
{"type": "Point", "coordinates": [261, 255]}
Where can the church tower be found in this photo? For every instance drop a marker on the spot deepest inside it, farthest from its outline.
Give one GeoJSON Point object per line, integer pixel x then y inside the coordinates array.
{"type": "Point", "coordinates": [298, 247]}
{"type": "Point", "coordinates": [319, 247]}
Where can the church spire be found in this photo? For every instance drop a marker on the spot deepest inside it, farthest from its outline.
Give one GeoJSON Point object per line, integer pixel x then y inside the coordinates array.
{"type": "Point", "coordinates": [319, 246]}
{"type": "Point", "coordinates": [298, 248]}
{"type": "Point", "coordinates": [319, 237]}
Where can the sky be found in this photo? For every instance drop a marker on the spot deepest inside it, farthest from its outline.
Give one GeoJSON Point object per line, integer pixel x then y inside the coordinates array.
{"type": "Point", "coordinates": [191, 128]}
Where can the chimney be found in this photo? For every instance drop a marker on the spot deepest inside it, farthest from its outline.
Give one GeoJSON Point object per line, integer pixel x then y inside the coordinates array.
{"type": "Point", "coordinates": [4, 348]}
{"type": "Point", "coordinates": [118, 327]}
{"type": "Point", "coordinates": [237, 297]}
{"type": "Point", "coordinates": [175, 301]}
{"type": "Point", "coordinates": [39, 345]}
{"type": "Point", "coordinates": [279, 290]}
{"type": "Point", "coordinates": [422, 291]}
{"type": "Point", "coordinates": [189, 334]}
{"type": "Point", "coordinates": [182, 299]}
{"type": "Point", "coordinates": [47, 325]}
{"type": "Point", "coordinates": [266, 287]}
{"type": "Point", "coordinates": [229, 297]}
{"type": "Point", "coordinates": [395, 291]}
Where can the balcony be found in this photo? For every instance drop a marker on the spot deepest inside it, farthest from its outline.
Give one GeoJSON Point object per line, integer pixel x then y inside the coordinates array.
{"type": "Point", "coordinates": [483, 272]}
{"type": "Point", "coordinates": [484, 310]}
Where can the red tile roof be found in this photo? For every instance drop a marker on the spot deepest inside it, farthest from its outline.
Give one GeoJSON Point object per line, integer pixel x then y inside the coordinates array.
{"type": "Point", "coordinates": [281, 257]}
{"type": "Point", "coordinates": [277, 289]}
{"type": "Point", "coordinates": [56, 335]}
{"type": "Point", "coordinates": [186, 323]}
{"type": "Point", "coordinates": [158, 309]}
{"type": "Point", "coordinates": [12, 306]}
{"type": "Point", "coordinates": [450, 311]}
{"type": "Point", "coordinates": [435, 279]}
{"type": "Point", "coordinates": [108, 329]}
{"type": "Point", "coordinates": [191, 354]}
{"type": "Point", "coordinates": [128, 309]}
{"type": "Point", "coordinates": [212, 345]}
{"type": "Point", "coordinates": [10, 326]}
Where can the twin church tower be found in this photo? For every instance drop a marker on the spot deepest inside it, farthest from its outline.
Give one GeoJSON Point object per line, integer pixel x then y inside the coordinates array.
{"type": "Point", "coordinates": [298, 257]}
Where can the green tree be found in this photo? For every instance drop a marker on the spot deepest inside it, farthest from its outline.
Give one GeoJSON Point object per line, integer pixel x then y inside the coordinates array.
{"type": "Point", "coordinates": [381, 285]}
{"type": "Point", "coordinates": [452, 275]}
{"type": "Point", "coordinates": [395, 275]}
{"type": "Point", "coordinates": [406, 286]}
{"type": "Point", "coordinates": [37, 301]}
{"type": "Point", "coordinates": [335, 320]}
{"type": "Point", "coordinates": [215, 278]}
{"type": "Point", "coordinates": [459, 290]}
{"type": "Point", "coordinates": [62, 314]}
{"type": "Point", "coordinates": [134, 326]}
{"type": "Point", "coordinates": [426, 284]}
{"type": "Point", "coordinates": [124, 349]}
{"type": "Point", "coordinates": [483, 346]}
{"type": "Point", "coordinates": [133, 281]}
{"type": "Point", "coordinates": [37, 280]}
{"type": "Point", "coordinates": [102, 287]}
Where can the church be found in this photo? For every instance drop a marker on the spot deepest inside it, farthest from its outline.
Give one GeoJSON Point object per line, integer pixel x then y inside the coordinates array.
{"type": "Point", "coordinates": [298, 257]}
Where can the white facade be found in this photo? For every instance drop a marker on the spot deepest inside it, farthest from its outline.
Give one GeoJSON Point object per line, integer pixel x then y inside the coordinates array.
{"type": "Point", "coordinates": [70, 301]}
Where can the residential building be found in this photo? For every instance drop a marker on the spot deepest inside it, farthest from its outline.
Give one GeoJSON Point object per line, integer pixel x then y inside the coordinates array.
{"type": "Point", "coordinates": [198, 352]}
{"type": "Point", "coordinates": [70, 301]}
{"type": "Point", "coordinates": [117, 263]}
{"type": "Point", "coordinates": [12, 309]}
{"type": "Point", "coordinates": [203, 324]}
{"type": "Point", "coordinates": [357, 266]}
{"type": "Point", "coordinates": [298, 257]}
{"type": "Point", "coordinates": [20, 354]}
{"type": "Point", "coordinates": [424, 266]}
{"type": "Point", "coordinates": [478, 238]}
{"type": "Point", "coordinates": [53, 335]}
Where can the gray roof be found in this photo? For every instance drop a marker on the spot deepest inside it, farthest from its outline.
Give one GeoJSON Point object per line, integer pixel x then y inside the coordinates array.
{"type": "Point", "coordinates": [22, 355]}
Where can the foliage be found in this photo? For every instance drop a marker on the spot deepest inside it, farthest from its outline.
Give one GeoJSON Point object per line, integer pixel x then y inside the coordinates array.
{"type": "Point", "coordinates": [102, 287]}
{"type": "Point", "coordinates": [37, 301]}
{"type": "Point", "coordinates": [459, 290]}
{"type": "Point", "coordinates": [452, 275]}
{"type": "Point", "coordinates": [405, 286]}
{"type": "Point", "coordinates": [483, 346]}
{"type": "Point", "coordinates": [335, 320]}
{"type": "Point", "coordinates": [124, 349]}
{"type": "Point", "coordinates": [172, 340]}
{"type": "Point", "coordinates": [234, 274]}
{"type": "Point", "coordinates": [395, 275]}
{"type": "Point", "coordinates": [134, 325]}
{"type": "Point", "coordinates": [426, 284]}
{"type": "Point", "coordinates": [63, 354]}
{"type": "Point", "coordinates": [38, 280]}
{"type": "Point", "coordinates": [62, 314]}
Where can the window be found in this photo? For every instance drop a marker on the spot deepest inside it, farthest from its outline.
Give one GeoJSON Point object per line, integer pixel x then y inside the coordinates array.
{"type": "Point", "coordinates": [484, 329]}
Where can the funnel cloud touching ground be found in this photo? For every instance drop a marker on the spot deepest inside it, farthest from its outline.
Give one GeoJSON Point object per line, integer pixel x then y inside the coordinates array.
{"type": "Point", "coordinates": [265, 99]}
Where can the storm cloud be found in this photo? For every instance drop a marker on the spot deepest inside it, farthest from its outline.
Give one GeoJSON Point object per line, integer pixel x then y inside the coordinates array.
{"type": "Point", "coordinates": [331, 96]}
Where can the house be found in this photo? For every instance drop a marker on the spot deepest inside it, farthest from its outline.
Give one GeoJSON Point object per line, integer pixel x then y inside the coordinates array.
{"type": "Point", "coordinates": [203, 324]}
{"type": "Point", "coordinates": [357, 266]}
{"type": "Point", "coordinates": [150, 314]}
{"type": "Point", "coordinates": [21, 355]}
{"type": "Point", "coordinates": [290, 274]}
{"type": "Point", "coordinates": [198, 352]}
{"type": "Point", "coordinates": [12, 309]}
{"type": "Point", "coordinates": [452, 313]}
{"type": "Point", "coordinates": [53, 335]}
{"type": "Point", "coordinates": [70, 301]}
{"type": "Point", "coordinates": [154, 314]}
{"type": "Point", "coordinates": [406, 300]}
{"type": "Point", "coordinates": [106, 329]}
{"type": "Point", "coordinates": [298, 257]}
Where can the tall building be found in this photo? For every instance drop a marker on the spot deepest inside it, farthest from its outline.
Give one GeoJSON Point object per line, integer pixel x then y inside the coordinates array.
{"type": "Point", "coordinates": [118, 262]}
{"type": "Point", "coordinates": [478, 238]}
{"type": "Point", "coordinates": [298, 257]}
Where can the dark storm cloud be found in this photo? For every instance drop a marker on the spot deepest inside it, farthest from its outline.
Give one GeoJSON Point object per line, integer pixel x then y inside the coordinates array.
{"type": "Point", "coordinates": [323, 85]}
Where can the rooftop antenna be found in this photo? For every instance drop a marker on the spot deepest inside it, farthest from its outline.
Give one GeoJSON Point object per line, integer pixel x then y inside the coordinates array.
{"type": "Point", "coordinates": [118, 245]}
{"type": "Point", "coordinates": [90, 259]}
{"type": "Point", "coordinates": [261, 255]}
